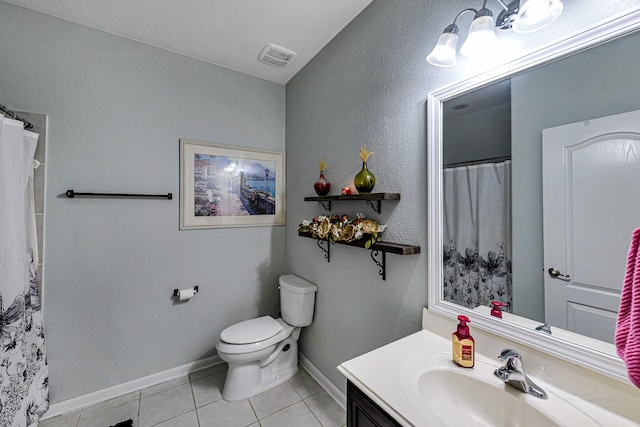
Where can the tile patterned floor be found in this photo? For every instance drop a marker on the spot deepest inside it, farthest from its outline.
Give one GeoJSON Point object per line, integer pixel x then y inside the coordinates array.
{"type": "Point", "coordinates": [196, 401]}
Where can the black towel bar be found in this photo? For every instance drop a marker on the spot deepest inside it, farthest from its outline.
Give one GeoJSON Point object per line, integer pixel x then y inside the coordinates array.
{"type": "Point", "coordinates": [72, 194]}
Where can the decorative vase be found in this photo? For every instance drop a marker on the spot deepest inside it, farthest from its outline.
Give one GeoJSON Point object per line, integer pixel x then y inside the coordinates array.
{"type": "Point", "coordinates": [322, 185]}
{"type": "Point", "coordinates": [364, 180]}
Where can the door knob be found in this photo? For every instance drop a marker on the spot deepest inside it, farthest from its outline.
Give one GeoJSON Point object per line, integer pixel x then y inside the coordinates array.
{"type": "Point", "coordinates": [554, 272]}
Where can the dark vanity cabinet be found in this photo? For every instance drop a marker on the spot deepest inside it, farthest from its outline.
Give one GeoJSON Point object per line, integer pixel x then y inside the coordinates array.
{"type": "Point", "coordinates": [364, 412]}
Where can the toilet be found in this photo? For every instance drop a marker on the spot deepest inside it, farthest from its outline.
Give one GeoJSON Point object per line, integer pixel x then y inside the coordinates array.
{"type": "Point", "coordinates": [263, 352]}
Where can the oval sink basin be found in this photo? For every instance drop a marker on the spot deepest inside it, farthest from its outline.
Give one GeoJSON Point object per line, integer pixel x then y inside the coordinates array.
{"type": "Point", "coordinates": [456, 396]}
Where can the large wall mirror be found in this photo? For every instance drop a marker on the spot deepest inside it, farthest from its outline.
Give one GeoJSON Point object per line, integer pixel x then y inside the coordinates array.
{"type": "Point", "coordinates": [534, 176]}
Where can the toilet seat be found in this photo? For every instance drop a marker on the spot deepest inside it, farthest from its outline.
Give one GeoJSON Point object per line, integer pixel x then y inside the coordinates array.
{"type": "Point", "coordinates": [230, 348]}
{"type": "Point", "coordinates": [251, 331]}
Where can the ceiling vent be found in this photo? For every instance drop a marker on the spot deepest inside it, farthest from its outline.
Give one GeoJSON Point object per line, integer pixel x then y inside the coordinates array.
{"type": "Point", "coordinates": [276, 56]}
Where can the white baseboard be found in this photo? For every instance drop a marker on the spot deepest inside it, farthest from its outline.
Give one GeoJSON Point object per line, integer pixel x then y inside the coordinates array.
{"type": "Point", "coordinates": [130, 386]}
{"type": "Point", "coordinates": [323, 381]}
{"type": "Point", "coordinates": [177, 372]}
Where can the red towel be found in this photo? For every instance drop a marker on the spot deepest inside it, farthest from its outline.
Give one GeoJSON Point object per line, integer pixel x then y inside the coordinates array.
{"type": "Point", "coordinates": [628, 324]}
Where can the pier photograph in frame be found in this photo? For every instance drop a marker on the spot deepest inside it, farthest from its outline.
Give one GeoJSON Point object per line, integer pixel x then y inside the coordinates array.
{"type": "Point", "coordinates": [227, 186]}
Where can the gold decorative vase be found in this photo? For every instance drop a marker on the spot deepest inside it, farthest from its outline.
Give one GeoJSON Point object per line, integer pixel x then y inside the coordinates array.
{"type": "Point", "coordinates": [364, 180]}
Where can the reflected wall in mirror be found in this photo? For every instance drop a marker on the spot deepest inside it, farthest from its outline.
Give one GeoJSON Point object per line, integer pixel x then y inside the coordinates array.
{"type": "Point", "coordinates": [538, 172]}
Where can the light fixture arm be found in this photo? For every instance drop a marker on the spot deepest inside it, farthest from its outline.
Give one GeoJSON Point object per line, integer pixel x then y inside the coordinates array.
{"type": "Point", "coordinates": [475, 12]}
{"type": "Point", "coordinates": [503, 4]}
{"type": "Point", "coordinates": [453, 27]}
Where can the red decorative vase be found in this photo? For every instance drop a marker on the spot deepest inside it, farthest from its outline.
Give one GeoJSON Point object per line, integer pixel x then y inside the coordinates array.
{"type": "Point", "coordinates": [322, 186]}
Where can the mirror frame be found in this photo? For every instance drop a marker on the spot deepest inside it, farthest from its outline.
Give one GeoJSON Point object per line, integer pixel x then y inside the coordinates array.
{"type": "Point", "coordinates": [604, 363]}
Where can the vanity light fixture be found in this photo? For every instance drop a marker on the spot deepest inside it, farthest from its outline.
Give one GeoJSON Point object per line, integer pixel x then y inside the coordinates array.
{"type": "Point", "coordinates": [536, 14]}
{"type": "Point", "coordinates": [523, 16]}
{"type": "Point", "coordinates": [481, 39]}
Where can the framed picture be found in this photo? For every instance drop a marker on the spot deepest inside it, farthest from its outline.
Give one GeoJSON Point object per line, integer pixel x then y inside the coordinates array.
{"type": "Point", "coordinates": [226, 186]}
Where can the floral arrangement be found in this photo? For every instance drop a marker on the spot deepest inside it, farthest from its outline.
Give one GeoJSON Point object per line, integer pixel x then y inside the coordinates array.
{"type": "Point", "coordinates": [364, 153]}
{"type": "Point", "coordinates": [336, 228]}
{"type": "Point", "coordinates": [322, 164]}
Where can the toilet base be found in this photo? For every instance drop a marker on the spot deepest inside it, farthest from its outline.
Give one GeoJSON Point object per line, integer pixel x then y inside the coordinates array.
{"type": "Point", "coordinates": [248, 379]}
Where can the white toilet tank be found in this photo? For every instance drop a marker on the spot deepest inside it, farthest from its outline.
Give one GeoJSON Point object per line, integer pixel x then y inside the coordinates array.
{"type": "Point", "coordinates": [297, 299]}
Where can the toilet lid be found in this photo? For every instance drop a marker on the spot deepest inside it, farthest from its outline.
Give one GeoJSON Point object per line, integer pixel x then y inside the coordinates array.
{"type": "Point", "coordinates": [250, 331]}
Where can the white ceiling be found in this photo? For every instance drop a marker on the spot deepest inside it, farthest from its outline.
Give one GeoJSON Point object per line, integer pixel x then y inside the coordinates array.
{"type": "Point", "coordinates": [230, 33]}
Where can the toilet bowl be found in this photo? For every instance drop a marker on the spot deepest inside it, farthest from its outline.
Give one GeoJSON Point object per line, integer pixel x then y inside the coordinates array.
{"type": "Point", "coordinates": [263, 352]}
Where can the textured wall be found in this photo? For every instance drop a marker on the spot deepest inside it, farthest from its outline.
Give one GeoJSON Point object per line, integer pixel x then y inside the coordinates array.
{"type": "Point", "coordinates": [370, 85]}
{"type": "Point", "coordinates": [116, 110]}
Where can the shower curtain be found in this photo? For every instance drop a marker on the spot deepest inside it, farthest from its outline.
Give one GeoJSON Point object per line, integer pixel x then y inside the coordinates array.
{"type": "Point", "coordinates": [24, 390]}
{"type": "Point", "coordinates": [477, 234]}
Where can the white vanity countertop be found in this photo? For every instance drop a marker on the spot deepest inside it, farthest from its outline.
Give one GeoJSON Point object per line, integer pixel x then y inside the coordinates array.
{"type": "Point", "coordinates": [379, 374]}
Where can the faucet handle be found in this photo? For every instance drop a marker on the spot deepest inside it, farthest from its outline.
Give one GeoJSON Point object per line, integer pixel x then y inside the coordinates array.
{"type": "Point", "coordinates": [513, 359]}
{"type": "Point", "coordinates": [509, 354]}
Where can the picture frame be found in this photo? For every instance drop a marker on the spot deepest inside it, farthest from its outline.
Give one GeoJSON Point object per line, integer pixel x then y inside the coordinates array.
{"type": "Point", "coordinates": [228, 186]}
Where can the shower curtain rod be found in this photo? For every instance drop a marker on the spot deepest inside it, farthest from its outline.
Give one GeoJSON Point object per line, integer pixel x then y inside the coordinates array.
{"type": "Point", "coordinates": [478, 162]}
{"type": "Point", "coordinates": [13, 115]}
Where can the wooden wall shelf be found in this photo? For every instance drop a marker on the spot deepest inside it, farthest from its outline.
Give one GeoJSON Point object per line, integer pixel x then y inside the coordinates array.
{"type": "Point", "coordinates": [370, 198]}
{"type": "Point", "coordinates": [380, 248]}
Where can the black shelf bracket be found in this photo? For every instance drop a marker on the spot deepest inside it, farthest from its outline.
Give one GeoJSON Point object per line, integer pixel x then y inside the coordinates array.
{"type": "Point", "coordinates": [377, 208]}
{"type": "Point", "coordinates": [377, 251]}
{"type": "Point", "coordinates": [327, 206]}
{"type": "Point", "coordinates": [382, 265]}
{"type": "Point", "coordinates": [327, 250]}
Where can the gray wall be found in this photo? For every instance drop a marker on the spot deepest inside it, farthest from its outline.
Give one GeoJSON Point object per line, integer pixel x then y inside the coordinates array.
{"type": "Point", "coordinates": [369, 86]}
{"type": "Point", "coordinates": [116, 110]}
{"type": "Point", "coordinates": [477, 135]}
{"type": "Point", "coordinates": [600, 82]}
{"type": "Point", "coordinates": [364, 88]}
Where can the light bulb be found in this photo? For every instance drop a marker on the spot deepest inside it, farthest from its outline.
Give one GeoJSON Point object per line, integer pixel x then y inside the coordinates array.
{"type": "Point", "coordinates": [444, 54]}
{"type": "Point", "coordinates": [481, 39]}
{"type": "Point", "coordinates": [536, 14]}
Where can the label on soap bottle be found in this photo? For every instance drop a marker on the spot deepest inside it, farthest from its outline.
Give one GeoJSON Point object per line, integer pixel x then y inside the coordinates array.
{"type": "Point", "coordinates": [466, 355]}
{"type": "Point", "coordinates": [463, 353]}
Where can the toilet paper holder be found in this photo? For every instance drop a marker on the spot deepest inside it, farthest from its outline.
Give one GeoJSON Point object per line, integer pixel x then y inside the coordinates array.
{"type": "Point", "coordinates": [176, 292]}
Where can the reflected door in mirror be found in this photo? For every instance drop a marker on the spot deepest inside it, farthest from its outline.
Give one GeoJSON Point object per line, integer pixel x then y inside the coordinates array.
{"type": "Point", "coordinates": [591, 172]}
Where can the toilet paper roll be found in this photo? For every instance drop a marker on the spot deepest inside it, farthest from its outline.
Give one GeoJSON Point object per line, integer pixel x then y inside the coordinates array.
{"type": "Point", "coordinates": [185, 294]}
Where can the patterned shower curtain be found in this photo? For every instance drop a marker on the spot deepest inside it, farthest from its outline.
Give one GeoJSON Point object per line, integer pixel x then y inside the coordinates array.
{"type": "Point", "coordinates": [24, 390]}
{"type": "Point", "coordinates": [477, 234]}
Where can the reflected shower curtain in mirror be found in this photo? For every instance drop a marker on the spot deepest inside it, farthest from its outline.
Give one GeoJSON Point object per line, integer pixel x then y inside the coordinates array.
{"type": "Point", "coordinates": [477, 234]}
{"type": "Point", "coordinates": [24, 390]}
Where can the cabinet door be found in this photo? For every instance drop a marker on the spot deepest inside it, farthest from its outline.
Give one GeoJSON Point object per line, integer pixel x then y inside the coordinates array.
{"type": "Point", "coordinates": [363, 412]}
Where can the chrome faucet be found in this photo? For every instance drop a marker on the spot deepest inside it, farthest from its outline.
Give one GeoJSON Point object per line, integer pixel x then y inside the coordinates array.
{"type": "Point", "coordinates": [546, 328]}
{"type": "Point", "coordinates": [515, 376]}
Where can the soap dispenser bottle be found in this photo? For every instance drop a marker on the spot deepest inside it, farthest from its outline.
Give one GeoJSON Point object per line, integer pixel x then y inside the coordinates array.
{"type": "Point", "coordinates": [463, 344]}
{"type": "Point", "coordinates": [496, 311]}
